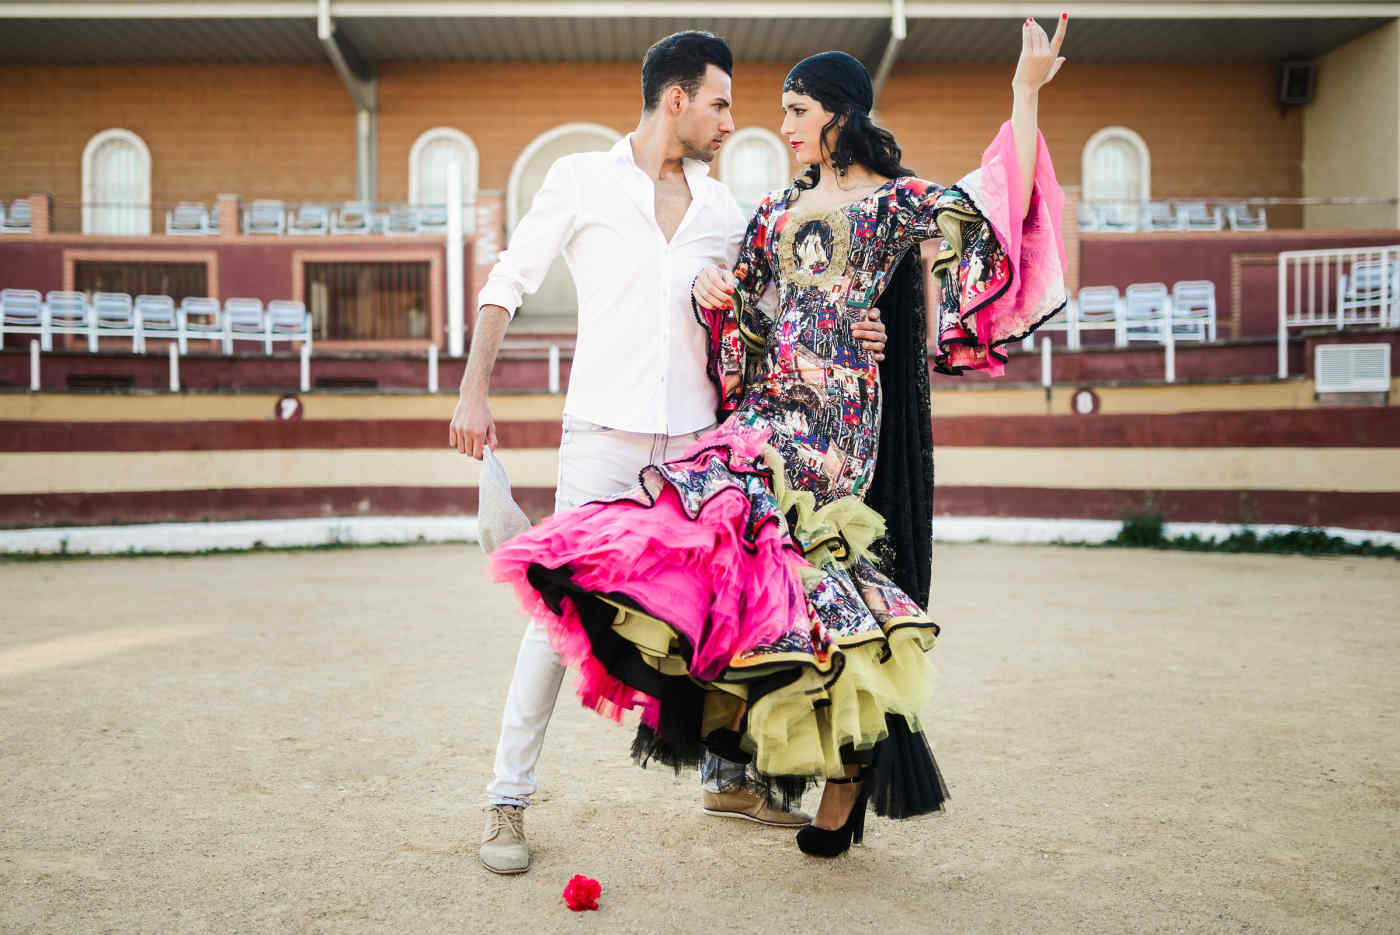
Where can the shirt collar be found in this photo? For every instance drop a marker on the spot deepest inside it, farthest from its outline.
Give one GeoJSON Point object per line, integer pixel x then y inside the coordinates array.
{"type": "Point", "coordinates": [695, 169]}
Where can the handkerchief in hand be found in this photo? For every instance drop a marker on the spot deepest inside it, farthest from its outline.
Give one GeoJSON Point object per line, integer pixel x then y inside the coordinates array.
{"type": "Point", "coordinates": [498, 516]}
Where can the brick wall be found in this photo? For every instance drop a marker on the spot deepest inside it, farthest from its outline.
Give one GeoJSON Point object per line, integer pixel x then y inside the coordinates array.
{"type": "Point", "coordinates": [1211, 130]}
{"type": "Point", "coordinates": [288, 131]}
{"type": "Point", "coordinates": [261, 131]}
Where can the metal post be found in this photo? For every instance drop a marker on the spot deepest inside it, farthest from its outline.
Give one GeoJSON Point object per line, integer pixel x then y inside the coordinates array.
{"type": "Point", "coordinates": [432, 368]}
{"type": "Point", "coordinates": [306, 368]}
{"type": "Point", "coordinates": [1045, 362]}
{"type": "Point", "coordinates": [554, 368]}
{"type": "Point", "coordinates": [174, 367]}
{"type": "Point", "coordinates": [1170, 348]}
{"type": "Point", "coordinates": [1282, 317]}
{"type": "Point", "coordinates": [34, 366]}
{"type": "Point", "coordinates": [456, 315]}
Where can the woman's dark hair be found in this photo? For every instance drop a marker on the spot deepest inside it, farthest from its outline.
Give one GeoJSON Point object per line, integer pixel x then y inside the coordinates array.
{"type": "Point", "coordinates": [681, 58]}
{"type": "Point", "coordinates": [840, 83]}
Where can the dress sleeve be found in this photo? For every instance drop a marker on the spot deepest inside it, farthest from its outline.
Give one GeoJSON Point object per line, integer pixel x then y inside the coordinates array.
{"type": "Point", "coordinates": [1001, 275]}
{"type": "Point", "coordinates": [737, 336]}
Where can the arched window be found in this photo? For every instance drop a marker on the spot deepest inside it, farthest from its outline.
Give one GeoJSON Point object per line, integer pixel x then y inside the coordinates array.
{"type": "Point", "coordinates": [1117, 167]}
{"type": "Point", "coordinates": [116, 184]}
{"type": "Point", "coordinates": [429, 162]}
{"type": "Point", "coordinates": [555, 304]}
{"type": "Point", "coordinates": [753, 163]}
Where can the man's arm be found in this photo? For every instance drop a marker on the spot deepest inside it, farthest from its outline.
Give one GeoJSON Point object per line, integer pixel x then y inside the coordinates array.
{"type": "Point", "coordinates": [537, 240]}
{"type": "Point", "coordinates": [472, 428]}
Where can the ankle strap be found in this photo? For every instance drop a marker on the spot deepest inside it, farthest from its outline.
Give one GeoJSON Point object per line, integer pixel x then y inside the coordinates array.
{"type": "Point", "coordinates": [843, 780]}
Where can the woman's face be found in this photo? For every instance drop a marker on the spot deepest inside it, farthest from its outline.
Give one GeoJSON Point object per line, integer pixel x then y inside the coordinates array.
{"type": "Point", "coordinates": [803, 120]}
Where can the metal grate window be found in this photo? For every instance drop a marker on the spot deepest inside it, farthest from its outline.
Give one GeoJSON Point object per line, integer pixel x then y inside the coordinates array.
{"type": "Point", "coordinates": [367, 301]}
{"type": "Point", "coordinates": [177, 280]}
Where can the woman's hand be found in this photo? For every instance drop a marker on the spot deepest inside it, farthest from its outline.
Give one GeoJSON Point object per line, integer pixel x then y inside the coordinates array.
{"type": "Point", "coordinates": [1040, 56]}
{"type": "Point", "coordinates": [714, 287]}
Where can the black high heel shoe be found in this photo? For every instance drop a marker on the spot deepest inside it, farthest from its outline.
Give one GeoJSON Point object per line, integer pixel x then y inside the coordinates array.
{"type": "Point", "coordinates": [823, 842]}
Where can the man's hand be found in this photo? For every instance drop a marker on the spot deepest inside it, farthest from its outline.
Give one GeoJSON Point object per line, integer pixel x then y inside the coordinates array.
{"type": "Point", "coordinates": [870, 332]}
{"type": "Point", "coordinates": [714, 287]}
{"type": "Point", "coordinates": [472, 428]}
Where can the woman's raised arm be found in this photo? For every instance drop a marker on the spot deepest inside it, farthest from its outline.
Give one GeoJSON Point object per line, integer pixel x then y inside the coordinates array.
{"type": "Point", "coordinates": [1039, 62]}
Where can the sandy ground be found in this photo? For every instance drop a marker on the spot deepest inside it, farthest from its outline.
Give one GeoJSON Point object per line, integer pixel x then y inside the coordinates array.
{"type": "Point", "coordinates": [1135, 742]}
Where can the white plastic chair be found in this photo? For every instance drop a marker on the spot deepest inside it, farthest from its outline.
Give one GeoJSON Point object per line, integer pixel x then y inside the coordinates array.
{"type": "Point", "coordinates": [188, 218]}
{"type": "Point", "coordinates": [1118, 218]}
{"type": "Point", "coordinates": [155, 318]}
{"type": "Point", "coordinates": [199, 318]}
{"type": "Point", "coordinates": [1158, 216]}
{"type": "Point", "coordinates": [16, 220]}
{"type": "Point", "coordinates": [1097, 308]}
{"type": "Point", "coordinates": [1369, 293]}
{"type": "Point", "coordinates": [1193, 216]}
{"type": "Point", "coordinates": [353, 217]}
{"type": "Point", "coordinates": [289, 321]}
{"type": "Point", "coordinates": [403, 219]}
{"type": "Point", "coordinates": [112, 317]}
{"type": "Point", "coordinates": [22, 312]}
{"type": "Point", "coordinates": [433, 219]}
{"type": "Point", "coordinates": [1193, 310]}
{"type": "Point", "coordinates": [1066, 320]}
{"type": "Point", "coordinates": [245, 320]}
{"type": "Point", "coordinates": [311, 219]}
{"type": "Point", "coordinates": [266, 216]}
{"type": "Point", "coordinates": [1242, 219]}
{"type": "Point", "coordinates": [67, 313]}
{"type": "Point", "coordinates": [1088, 217]}
{"type": "Point", "coordinates": [1146, 314]}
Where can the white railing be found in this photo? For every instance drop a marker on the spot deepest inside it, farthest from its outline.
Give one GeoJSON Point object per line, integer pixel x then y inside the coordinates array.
{"type": "Point", "coordinates": [1337, 288]}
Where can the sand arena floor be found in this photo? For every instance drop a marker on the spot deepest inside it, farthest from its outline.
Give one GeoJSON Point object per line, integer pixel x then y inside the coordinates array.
{"type": "Point", "coordinates": [1135, 742]}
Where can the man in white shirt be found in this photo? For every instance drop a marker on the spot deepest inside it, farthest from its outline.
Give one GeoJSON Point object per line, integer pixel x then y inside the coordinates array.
{"type": "Point", "coordinates": [635, 224]}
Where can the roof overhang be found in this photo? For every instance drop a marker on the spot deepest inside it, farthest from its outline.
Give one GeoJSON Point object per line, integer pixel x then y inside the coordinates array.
{"type": "Point", "coordinates": [386, 31]}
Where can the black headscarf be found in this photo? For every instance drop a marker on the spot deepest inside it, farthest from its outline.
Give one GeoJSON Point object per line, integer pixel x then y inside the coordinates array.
{"type": "Point", "coordinates": [834, 77]}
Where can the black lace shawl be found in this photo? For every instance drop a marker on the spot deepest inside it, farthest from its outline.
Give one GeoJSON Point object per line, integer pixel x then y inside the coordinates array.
{"type": "Point", "coordinates": [902, 488]}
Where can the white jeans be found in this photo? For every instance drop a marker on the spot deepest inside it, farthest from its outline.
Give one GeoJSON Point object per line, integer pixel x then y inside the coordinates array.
{"type": "Point", "coordinates": [594, 463]}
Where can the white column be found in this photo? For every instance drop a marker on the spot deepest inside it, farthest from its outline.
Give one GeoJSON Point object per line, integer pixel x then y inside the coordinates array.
{"type": "Point", "coordinates": [554, 368]}
{"type": "Point", "coordinates": [174, 367]}
{"type": "Point", "coordinates": [456, 314]}
{"type": "Point", "coordinates": [432, 368]}
{"type": "Point", "coordinates": [306, 368]}
{"type": "Point", "coordinates": [34, 366]}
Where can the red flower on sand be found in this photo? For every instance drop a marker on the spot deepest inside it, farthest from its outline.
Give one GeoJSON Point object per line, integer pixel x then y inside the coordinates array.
{"type": "Point", "coordinates": [582, 893]}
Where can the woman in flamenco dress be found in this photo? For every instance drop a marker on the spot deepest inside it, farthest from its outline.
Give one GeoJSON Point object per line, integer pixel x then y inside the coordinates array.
{"type": "Point", "coordinates": [763, 595]}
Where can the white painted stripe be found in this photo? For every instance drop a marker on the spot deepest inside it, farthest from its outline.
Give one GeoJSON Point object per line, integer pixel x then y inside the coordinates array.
{"type": "Point", "coordinates": [375, 530]}
{"type": "Point", "coordinates": [1033, 531]}
{"type": "Point", "coordinates": [202, 537]}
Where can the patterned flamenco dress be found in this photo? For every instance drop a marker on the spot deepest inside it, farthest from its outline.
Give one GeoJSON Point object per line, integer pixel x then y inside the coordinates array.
{"type": "Point", "coordinates": [764, 594]}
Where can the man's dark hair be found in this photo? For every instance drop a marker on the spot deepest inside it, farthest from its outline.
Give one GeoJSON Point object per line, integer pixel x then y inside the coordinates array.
{"type": "Point", "coordinates": [681, 58]}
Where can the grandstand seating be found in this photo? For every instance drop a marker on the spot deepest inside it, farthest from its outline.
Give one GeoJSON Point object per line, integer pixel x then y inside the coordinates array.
{"type": "Point", "coordinates": [1139, 314]}
{"type": "Point", "coordinates": [1127, 218]}
{"type": "Point", "coordinates": [118, 315]}
{"type": "Point", "coordinates": [189, 218]}
{"type": "Point", "coordinates": [16, 220]}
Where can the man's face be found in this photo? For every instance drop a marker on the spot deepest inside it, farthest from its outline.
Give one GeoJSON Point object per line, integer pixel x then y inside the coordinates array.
{"type": "Point", "coordinates": [705, 120]}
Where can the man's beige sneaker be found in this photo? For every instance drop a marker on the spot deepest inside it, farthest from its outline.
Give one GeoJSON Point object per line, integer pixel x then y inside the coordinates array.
{"type": "Point", "coordinates": [745, 803]}
{"type": "Point", "coordinates": [503, 847]}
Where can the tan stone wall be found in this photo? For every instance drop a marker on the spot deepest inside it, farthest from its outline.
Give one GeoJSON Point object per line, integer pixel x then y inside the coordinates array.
{"type": "Point", "coordinates": [1352, 131]}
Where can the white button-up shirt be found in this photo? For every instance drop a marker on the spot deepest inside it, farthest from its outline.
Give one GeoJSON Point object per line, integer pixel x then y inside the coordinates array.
{"type": "Point", "coordinates": [639, 361]}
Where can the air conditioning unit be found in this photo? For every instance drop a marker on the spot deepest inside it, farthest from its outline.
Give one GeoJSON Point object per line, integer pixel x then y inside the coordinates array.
{"type": "Point", "coordinates": [1352, 368]}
